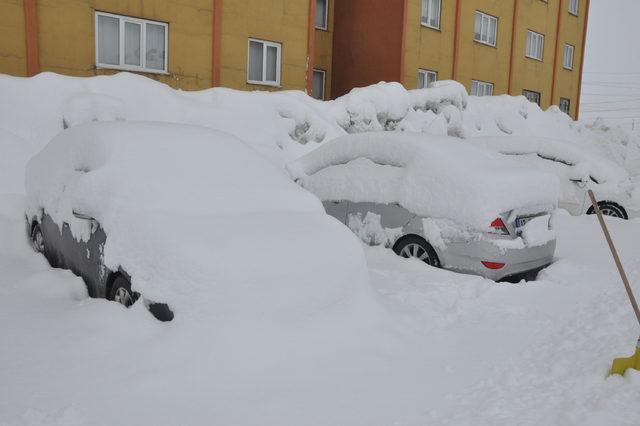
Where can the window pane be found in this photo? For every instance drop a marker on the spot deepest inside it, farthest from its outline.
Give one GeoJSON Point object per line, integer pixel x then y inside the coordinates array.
{"type": "Point", "coordinates": [435, 19]}
{"type": "Point", "coordinates": [272, 60]}
{"type": "Point", "coordinates": [156, 50]}
{"type": "Point", "coordinates": [108, 40]}
{"type": "Point", "coordinates": [318, 85]}
{"type": "Point", "coordinates": [492, 31]}
{"type": "Point", "coordinates": [421, 80]}
{"type": "Point", "coordinates": [478, 25]}
{"type": "Point", "coordinates": [321, 14]}
{"type": "Point", "coordinates": [431, 77]}
{"type": "Point", "coordinates": [255, 60]}
{"type": "Point", "coordinates": [131, 43]}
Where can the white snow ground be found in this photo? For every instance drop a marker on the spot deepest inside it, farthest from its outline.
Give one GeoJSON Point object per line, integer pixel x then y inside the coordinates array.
{"type": "Point", "coordinates": [465, 351]}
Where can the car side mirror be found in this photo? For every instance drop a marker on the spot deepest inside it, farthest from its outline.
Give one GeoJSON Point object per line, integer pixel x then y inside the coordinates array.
{"type": "Point", "coordinates": [94, 223]}
{"type": "Point", "coordinates": [580, 182]}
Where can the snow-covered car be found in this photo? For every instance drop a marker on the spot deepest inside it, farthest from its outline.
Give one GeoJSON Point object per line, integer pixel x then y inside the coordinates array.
{"type": "Point", "coordinates": [438, 199]}
{"type": "Point", "coordinates": [577, 168]}
{"type": "Point", "coordinates": [187, 217]}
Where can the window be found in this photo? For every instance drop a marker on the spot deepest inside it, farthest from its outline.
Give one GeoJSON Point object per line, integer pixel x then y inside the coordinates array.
{"type": "Point", "coordinates": [568, 56]}
{"type": "Point", "coordinates": [565, 105]}
{"type": "Point", "coordinates": [130, 43]}
{"type": "Point", "coordinates": [264, 62]}
{"type": "Point", "coordinates": [322, 14]}
{"type": "Point", "coordinates": [486, 28]}
{"type": "Point", "coordinates": [532, 96]}
{"type": "Point", "coordinates": [317, 88]}
{"type": "Point", "coordinates": [426, 77]}
{"type": "Point", "coordinates": [573, 7]}
{"type": "Point", "coordinates": [535, 45]}
{"type": "Point", "coordinates": [431, 13]}
{"type": "Point", "coordinates": [481, 88]}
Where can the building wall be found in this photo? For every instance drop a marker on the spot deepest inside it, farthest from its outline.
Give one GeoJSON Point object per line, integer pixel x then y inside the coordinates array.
{"type": "Point", "coordinates": [12, 38]}
{"type": "Point", "coordinates": [433, 49]}
{"type": "Point", "coordinates": [67, 44]}
{"type": "Point", "coordinates": [428, 48]}
{"type": "Point", "coordinates": [282, 21]}
{"type": "Point", "coordinates": [324, 49]}
{"type": "Point", "coordinates": [571, 29]}
{"type": "Point", "coordinates": [478, 61]}
{"type": "Point", "coordinates": [531, 74]}
{"type": "Point", "coordinates": [367, 44]}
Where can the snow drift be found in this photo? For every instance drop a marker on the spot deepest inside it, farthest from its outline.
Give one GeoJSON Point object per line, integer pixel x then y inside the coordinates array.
{"type": "Point", "coordinates": [282, 125]}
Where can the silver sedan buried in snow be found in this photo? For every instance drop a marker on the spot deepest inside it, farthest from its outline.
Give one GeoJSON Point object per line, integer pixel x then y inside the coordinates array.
{"type": "Point", "coordinates": [436, 199]}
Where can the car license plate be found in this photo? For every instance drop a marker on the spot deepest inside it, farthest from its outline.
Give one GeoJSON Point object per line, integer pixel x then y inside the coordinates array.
{"type": "Point", "coordinates": [522, 221]}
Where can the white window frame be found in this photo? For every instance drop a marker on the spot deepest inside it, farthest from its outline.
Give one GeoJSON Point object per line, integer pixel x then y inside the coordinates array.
{"type": "Point", "coordinates": [568, 58]}
{"type": "Point", "coordinates": [426, 73]}
{"type": "Point", "coordinates": [427, 10]}
{"type": "Point", "coordinates": [143, 41]}
{"type": "Point", "coordinates": [532, 93]}
{"type": "Point", "coordinates": [484, 38]}
{"type": "Point", "coordinates": [531, 36]}
{"type": "Point", "coordinates": [568, 111]}
{"type": "Point", "coordinates": [324, 83]}
{"type": "Point", "coordinates": [265, 44]}
{"type": "Point", "coordinates": [326, 17]}
{"type": "Point", "coordinates": [479, 88]}
{"type": "Point", "coordinates": [574, 7]}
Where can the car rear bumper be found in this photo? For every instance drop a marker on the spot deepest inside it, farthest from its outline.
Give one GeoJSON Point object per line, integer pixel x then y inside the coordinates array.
{"type": "Point", "coordinates": [467, 257]}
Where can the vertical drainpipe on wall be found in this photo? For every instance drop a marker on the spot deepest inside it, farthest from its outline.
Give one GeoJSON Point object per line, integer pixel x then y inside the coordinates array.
{"type": "Point", "coordinates": [456, 37]}
{"type": "Point", "coordinates": [403, 36]}
{"type": "Point", "coordinates": [216, 42]}
{"type": "Point", "coordinates": [31, 36]}
{"type": "Point", "coordinates": [514, 24]}
{"type": "Point", "coordinates": [584, 42]}
{"type": "Point", "coordinates": [311, 46]}
{"type": "Point", "coordinates": [554, 74]}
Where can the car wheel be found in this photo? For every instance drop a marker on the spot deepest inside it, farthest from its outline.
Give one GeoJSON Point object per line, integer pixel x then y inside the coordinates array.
{"type": "Point", "coordinates": [37, 238]}
{"type": "Point", "coordinates": [610, 209]}
{"type": "Point", "coordinates": [121, 292]}
{"type": "Point", "coordinates": [417, 247]}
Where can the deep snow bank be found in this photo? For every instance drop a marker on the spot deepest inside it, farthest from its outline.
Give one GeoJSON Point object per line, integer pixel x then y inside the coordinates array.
{"type": "Point", "coordinates": [282, 125]}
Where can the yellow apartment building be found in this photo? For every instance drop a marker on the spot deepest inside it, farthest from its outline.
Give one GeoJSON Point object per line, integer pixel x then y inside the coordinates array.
{"type": "Point", "coordinates": [326, 47]}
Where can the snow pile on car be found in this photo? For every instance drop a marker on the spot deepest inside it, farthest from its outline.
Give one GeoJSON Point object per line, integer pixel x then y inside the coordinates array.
{"type": "Point", "coordinates": [437, 177]}
{"type": "Point", "coordinates": [199, 220]}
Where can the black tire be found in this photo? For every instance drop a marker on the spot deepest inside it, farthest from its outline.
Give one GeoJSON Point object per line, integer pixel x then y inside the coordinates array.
{"type": "Point", "coordinates": [161, 311]}
{"type": "Point", "coordinates": [610, 209]}
{"type": "Point", "coordinates": [37, 238]}
{"type": "Point", "coordinates": [418, 247]}
{"type": "Point", "coordinates": [120, 292]}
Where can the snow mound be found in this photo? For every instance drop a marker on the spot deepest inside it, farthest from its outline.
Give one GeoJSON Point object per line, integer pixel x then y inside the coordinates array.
{"type": "Point", "coordinates": [86, 107]}
{"type": "Point", "coordinates": [437, 177]}
{"type": "Point", "coordinates": [199, 220]}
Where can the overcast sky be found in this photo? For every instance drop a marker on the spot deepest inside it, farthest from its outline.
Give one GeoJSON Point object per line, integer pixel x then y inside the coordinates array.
{"type": "Point", "coordinates": [611, 79]}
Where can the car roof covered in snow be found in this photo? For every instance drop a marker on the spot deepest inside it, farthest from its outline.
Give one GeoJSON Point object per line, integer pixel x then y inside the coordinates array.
{"type": "Point", "coordinates": [586, 161]}
{"type": "Point", "coordinates": [432, 176]}
{"type": "Point", "coordinates": [198, 220]}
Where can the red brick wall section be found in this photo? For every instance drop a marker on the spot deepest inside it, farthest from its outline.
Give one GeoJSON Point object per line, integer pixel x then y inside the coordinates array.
{"type": "Point", "coordinates": [367, 43]}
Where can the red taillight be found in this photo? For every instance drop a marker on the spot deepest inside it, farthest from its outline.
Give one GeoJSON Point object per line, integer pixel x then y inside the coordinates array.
{"type": "Point", "coordinates": [498, 227]}
{"type": "Point", "coordinates": [493, 265]}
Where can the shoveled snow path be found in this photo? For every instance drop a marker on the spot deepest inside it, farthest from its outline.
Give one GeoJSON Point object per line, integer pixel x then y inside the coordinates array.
{"type": "Point", "coordinates": [486, 353]}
